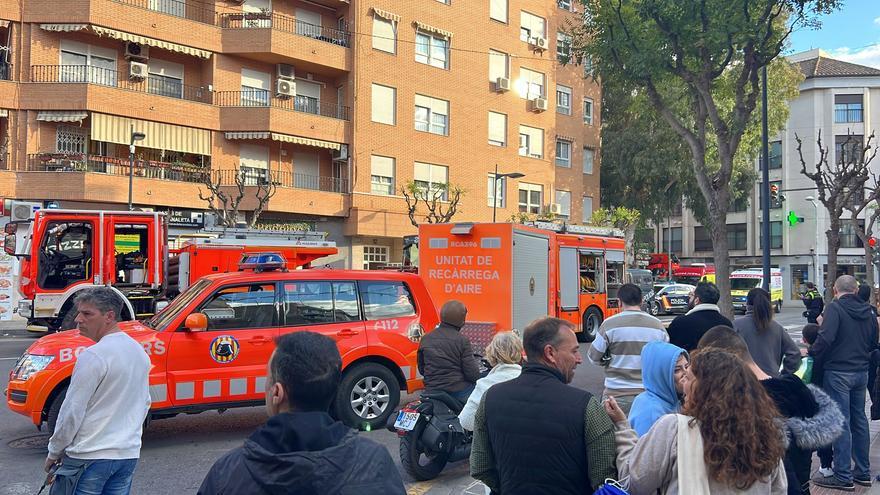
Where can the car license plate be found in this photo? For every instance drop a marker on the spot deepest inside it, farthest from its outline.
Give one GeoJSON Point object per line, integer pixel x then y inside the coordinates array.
{"type": "Point", "coordinates": [406, 420]}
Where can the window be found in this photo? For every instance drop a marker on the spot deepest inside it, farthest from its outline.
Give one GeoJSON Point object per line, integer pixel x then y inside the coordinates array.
{"type": "Point", "coordinates": [702, 239]}
{"type": "Point", "coordinates": [165, 79]}
{"type": "Point", "coordinates": [82, 63]}
{"type": "Point", "coordinates": [66, 255]}
{"type": "Point", "coordinates": [307, 170]}
{"type": "Point", "coordinates": [563, 100]}
{"type": "Point", "coordinates": [384, 34]}
{"type": "Point", "coordinates": [849, 148]}
{"type": "Point", "coordinates": [848, 236]}
{"type": "Point", "coordinates": [375, 257]}
{"type": "Point", "coordinates": [563, 48]}
{"type": "Point", "coordinates": [172, 7]}
{"type": "Point", "coordinates": [531, 141]}
{"type": "Point", "coordinates": [563, 199]}
{"type": "Point", "coordinates": [775, 160]}
{"type": "Point", "coordinates": [588, 160]}
{"type": "Point", "coordinates": [71, 139]}
{"type": "Point", "coordinates": [498, 10]}
{"type": "Point", "coordinates": [531, 26]}
{"type": "Point", "coordinates": [586, 209]}
{"type": "Point", "coordinates": [587, 62]}
{"type": "Point", "coordinates": [253, 163]}
{"type": "Point", "coordinates": [383, 103]}
{"type": "Point", "coordinates": [432, 115]}
{"type": "Point", "coordinates": [432, 49]}
{"type": "Point", "coordinates": [564, 4]}
{"type": "Point", "coordinates": [499, 65]}
{"type": "Point", "coordinates": [736, 236]}
{"type": "Point", "coordinates": [431, 178]}
{"type": "Point", "coordinates": [531, 198]}
{"type": "Point", "coordinates": [386, 299]}
{"type": "Point", "coordinates": [563, 153]}
{"type": "Point", "coordinates": [848, 109]}
{"type": "Point", "coordinates": [775, 235]}
{"type": "Point", "coordinates": [308, 97]}
{"type": "Point", "coordinates": [496, 190]}
{"type": "Point", "coordinates": [315, 303]}
{"type": "Point", "coordinates": [530, 84]}
{"type": "Point", "coordinates": [497, 129]}
{"type": "Point", "coordinates": [255, 88]}
{"type": "Point", "coordinates": [676, 239]}
{"type": "Point", "coordinates": [799, 276]}
{"type": "Point", "coordinates": [309, 23]}
{"type": "Point", "coordinates": [241, 307]}
{"type": "Point", "coordinates": [588, 111]}
{"type": "Point", "coordinates": [382, 175]}
{"type": "Point", "coordinates": [774, 205]}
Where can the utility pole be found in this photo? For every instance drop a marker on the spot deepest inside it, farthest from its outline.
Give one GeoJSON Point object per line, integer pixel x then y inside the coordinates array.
{"type": "Point", "coordinates": [765, 184]}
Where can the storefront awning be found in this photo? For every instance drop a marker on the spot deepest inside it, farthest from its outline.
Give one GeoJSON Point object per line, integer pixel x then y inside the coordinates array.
{"type": "Point", "coordinates": [4, 112]}
{"type": "Point", "coordinates": [164, 45]}
{"type": "Point", "coordinates": [284, 138]}
{"type": "Point", "coordinates": [62, 116]}
{"type": "Point", "coordinates": [63, 28]}
{"type": "Point", "coordinates": [386, 15]}
{"type": "Point", "coordinates": [4, 23]}
{"type": "Point", "coordinates": [113, 129]}
{"type": "Point", "coordinates": [431, 29]}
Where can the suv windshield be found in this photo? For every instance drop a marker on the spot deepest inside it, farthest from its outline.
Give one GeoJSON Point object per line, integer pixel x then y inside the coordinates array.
{"type": "Point", "coordinates": [744, 283]}
{"type": "Point", "coordinates": [162, 319]}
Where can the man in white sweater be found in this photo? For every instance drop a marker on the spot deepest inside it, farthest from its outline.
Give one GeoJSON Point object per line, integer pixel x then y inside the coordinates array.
{"type": "Point", "coordinates": [97, 438]}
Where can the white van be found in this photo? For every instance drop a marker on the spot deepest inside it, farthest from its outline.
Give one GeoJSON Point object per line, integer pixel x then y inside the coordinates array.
{"type": "Point", "coordinates": [742, 281]}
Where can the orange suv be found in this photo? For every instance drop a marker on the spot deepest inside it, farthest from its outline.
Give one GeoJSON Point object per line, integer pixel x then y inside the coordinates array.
{"type": "Point", "coordinates": [210, 346]}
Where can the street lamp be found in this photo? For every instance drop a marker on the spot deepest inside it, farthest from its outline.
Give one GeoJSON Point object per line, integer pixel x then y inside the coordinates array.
{"type": "Point", "coordinates": [135, 136]}
{"type": "Point", "coordinates": [818, 282]}
{"type": "Point", "coordinates": [497, 177]}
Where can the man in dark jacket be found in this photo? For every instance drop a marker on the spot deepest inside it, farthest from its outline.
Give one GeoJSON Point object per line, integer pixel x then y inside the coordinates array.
{"type": "Point", "coordinates": [445, 356]}
{"type": "Point", "coordinates": [686, 330]}
{"type": "Point", "coordinates": [846, 339]}
{"type": "Point", "coordinates": [537, 434]}
{"type": "Point", "coordinates": [813, 302]}
{"type": "Point", "coordinates": [301, 449]}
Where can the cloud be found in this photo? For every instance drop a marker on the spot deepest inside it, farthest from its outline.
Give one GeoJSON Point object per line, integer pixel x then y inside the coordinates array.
{"type": "Point", "coordinates": [868, 55]}
{"type": "Point", "coordinates": [877, 21]}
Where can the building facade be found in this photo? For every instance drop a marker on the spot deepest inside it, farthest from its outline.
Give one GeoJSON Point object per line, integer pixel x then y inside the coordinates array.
{"type": "Point", "coordinates": [838, 99]}
{"type": "Point", "coordinates": [339, 103]}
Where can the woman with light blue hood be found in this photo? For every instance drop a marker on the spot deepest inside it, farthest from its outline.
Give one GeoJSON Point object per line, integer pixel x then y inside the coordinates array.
{"type": "Point", "coordinates": [663, 370]}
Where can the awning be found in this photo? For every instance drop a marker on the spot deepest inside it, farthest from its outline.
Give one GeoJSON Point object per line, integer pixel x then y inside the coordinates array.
{"type": "Point", "coordinates": [174, 47]}
{"type": "Point", "coordinates": [431, 29]}
{"type": "Point", "coordinates": [284, 138]}
{"type": "Point", "coordinates": [113, 129]}
{"type": "Point", "coordinates": [4, 23]}
{"type": "Point", "coordinates": [4, 112]}
{"type": "Point", "coordinates": [63, 28]}
{"type": "Point", "coordinates": [386, 15]}
{"type": "Point", "coordinates": [62, 116]}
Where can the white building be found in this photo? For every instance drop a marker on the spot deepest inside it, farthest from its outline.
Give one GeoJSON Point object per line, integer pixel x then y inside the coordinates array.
{"type": "Point", "coordinates": [835, 98]}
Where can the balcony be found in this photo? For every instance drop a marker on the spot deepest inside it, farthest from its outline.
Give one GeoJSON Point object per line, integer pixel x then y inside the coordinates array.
{"type": "Point", "coordinates": [152, 84]}
{"type": "Point", "coordinates": [191, 11]}
{"type": "Point", "coordinates": [295, 193]}
{"type": "Point", "coordinates": [258, 98]}
{"type": "Point", "coordinates": [5, 72]}
{"type": "Point", "coordinates": [80, 162]}
{"type": "Point", "coordinates": [8, 93]}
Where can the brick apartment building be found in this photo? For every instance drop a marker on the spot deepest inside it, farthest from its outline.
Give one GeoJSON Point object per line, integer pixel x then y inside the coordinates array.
{"type": "Point", "coordinates": [340, 102]}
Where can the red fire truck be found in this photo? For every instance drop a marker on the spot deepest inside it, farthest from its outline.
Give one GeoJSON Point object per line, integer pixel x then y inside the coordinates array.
{"type": "Point", "coordinates": [65, 251]}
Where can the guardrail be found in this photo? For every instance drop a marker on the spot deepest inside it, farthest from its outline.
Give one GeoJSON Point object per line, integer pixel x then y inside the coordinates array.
{"type": "Point", "coordinates": [255, 176]}
{"type": "Point", "coordinates": [281, 22]}
{"type": "Point", "coordinates": [81, 162]}
{"type": "Point", "coordinates": [264, 98]}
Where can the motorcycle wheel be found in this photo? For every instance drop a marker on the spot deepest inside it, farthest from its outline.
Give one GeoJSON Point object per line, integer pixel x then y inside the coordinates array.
{"type": "Point", "coordinates": [421, 465]}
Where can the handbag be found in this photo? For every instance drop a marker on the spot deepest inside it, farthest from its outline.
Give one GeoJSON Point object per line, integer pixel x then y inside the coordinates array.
{"type": "Point", "coordinates": [610, 487]}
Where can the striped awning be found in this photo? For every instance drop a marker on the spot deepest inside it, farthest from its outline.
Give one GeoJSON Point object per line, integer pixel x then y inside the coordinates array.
{"type": "Point", "coordinates": [284, 138]}
{"type": "Point", "coordinates": [386, 15]}
{"type": "Point", "coordinates": [164, 45]}
{"type": "Point", "coordinates": [159, 136]}
{"type": "Point", "coordinates": [431, 29]}
{"type": "Point", "coordinates": [63, 28]}
{"type": "Point", "coordinates": [62, 116]}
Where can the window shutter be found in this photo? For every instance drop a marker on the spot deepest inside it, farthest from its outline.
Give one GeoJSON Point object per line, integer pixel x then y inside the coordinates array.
{"type": "Point", "coordinates": [498, 127]}
{"type": "Point", "coordinates": [383, 103]}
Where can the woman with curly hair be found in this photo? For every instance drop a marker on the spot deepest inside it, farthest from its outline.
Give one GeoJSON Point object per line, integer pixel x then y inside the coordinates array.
{"type": "Point", "coordinates": [724, 442]}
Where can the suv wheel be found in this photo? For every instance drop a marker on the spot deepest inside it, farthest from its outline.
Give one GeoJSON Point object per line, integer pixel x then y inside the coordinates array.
{"type": "Point", "coordinates": [654, 308]}
{"type": "Point", "coordinates": [54, 410]}
{"type": "Point", "coordinates": [368, 394]}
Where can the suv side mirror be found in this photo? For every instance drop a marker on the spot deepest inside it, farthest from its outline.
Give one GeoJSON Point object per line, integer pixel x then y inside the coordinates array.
{"type": "Point", "coordinates": [196, 322]}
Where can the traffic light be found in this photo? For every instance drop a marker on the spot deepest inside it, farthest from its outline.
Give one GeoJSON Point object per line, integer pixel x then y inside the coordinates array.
{"type": "Point", "coordinates": [774, 194]}
{"type": "Point", "coordinates": [872, 242]}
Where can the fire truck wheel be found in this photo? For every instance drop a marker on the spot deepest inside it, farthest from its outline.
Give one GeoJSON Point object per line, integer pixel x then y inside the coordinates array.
{"type": "Point", "coordinates": [68, 323]}
{"type": "Point", "coordinates": [54, 409]}
{"type": "Point", "coordinates": [592, 320]}
{"type": "Point", "coordinates": [368, 394]}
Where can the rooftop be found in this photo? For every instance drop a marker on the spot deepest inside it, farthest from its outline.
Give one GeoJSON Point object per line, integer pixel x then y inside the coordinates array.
{"type": "Point", "coordinates": [817, 63]}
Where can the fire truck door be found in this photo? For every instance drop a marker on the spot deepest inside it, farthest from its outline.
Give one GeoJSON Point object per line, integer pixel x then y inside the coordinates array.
{"type": "Point", "coordinates": [569, 281]}
{"type": "Point", "coordinates": [531, 265]}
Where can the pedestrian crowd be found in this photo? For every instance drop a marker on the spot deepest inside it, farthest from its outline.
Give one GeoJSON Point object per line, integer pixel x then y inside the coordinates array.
{"type": "Point", "coordinates": [708, 406]}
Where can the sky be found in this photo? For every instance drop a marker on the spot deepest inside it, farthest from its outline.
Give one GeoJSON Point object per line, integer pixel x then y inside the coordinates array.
{"type": "Point", "coordinates": [852, 33]}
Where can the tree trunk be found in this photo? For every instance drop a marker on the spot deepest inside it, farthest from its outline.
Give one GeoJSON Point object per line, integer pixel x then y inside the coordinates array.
{"type": "Point", "coordinates": [718, 230]}
{"type": "Point", "coordinates": [629, 235]}
{"type": "Point", "coordinates": [833, 235]}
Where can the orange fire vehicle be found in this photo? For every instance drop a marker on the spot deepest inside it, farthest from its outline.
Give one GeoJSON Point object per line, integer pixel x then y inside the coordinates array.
{"type": "Point", "coordinates": [693, 274]}
{"type": "Point", "coordinates": [65, 251]}
{"type": "Point", "coordinates": [509, 274]}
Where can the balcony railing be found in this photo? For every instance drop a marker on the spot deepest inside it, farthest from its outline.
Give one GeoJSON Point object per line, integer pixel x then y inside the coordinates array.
{"type": "Point", "coordinates": [848, 115]}
{"type": "Point", "coordinates": [256, 176]}
{"type": "Point", "coordinates": [153, 84]}
{"type": "Point", "coordinates": [5, 72]}
{"type": "Point", "coordinates": [177, 8]}
{"type": "Point", "coordinates": [281, 22]}
{"type": "Point", "coordinates": [263, 98]}
{"type": "Point", "coordinates": [81, 162]}
{"type": "Point", "coordinates": [4, 161]}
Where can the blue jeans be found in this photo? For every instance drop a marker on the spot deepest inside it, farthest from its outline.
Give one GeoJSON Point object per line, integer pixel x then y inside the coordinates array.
{"type": "Point", "coordinates": [848, 390]}
{"type": "Point", "coordinates": [106, 477]}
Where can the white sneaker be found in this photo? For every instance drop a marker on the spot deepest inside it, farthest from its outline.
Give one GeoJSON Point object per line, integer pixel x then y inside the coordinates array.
{"type": "Point", "coordinates": [826, 471]}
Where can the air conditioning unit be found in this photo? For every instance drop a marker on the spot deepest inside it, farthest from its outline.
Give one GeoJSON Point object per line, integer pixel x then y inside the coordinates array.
{"type": "Point", "coordinates": [285, 88]}
{"type": "Point", "coordinates": [539, 105]}
{"type": "Point", "coordinates": [23, 211]}
{"type": "Point", "coordinates": [502, 84]}
{"type": "Point", "coordinates": [556, 208]}
{"type": "Point", "coordinates": [136, 51]}
{"type": "Point", "coordinates": [341, 154]}
{"type": "Point", "coordinates": [137, 70]}
{"type": "Point", "coordinates": [538, 43]}
{"type": "Point", "coordinates": [285, 71]}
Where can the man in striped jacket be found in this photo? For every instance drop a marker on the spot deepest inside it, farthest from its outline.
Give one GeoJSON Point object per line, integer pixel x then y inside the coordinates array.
{"type": "Point", "coordinates": [618, 346]}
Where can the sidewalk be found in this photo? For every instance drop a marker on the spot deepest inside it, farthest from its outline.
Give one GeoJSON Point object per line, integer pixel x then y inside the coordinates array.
{"type": "Point", "coordinates": [875, 466]}
{"type": "Point", "coordinates": [13, 328]}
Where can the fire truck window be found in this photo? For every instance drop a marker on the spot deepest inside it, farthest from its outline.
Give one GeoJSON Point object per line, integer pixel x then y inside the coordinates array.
{"type": "Point", "coordinates": [65, 255]}
{"type": "Point", "coordinates": [241, 307]}
{"type": "Point", "coordinates": [386, 300]}
{"type": "Point", "coordinates": [308, 303]}
{"type": "Point", "coordinates": [615, 277]}
{"type": "Point", "coordinates": [131, 247]}
{"type": "Point", "coordinates": [591, 266]}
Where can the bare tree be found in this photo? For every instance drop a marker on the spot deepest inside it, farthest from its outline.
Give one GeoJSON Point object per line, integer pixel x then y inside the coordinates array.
{"type": "Point", "coordinates": [441, 202]}
{"type": "Point", "coordinates": [224, 200]}
{"type": "Point", "coordinates": [867, 204]}
{"type": "Point", "coordinates": [837, 184]}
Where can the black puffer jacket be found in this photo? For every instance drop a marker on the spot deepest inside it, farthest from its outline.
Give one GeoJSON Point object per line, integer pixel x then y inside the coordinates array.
{"type": "Point", "coordinates": [304, 453]}
{"type": "Point", "coordinates": [446, 360]}
{"type": "Point", "coordinates": [847, 337]}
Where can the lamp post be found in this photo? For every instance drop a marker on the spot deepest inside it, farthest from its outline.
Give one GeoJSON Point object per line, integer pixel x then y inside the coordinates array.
{"type": "Point", "coordinates": [496, 178]}
{"type": "Point", "coordinates": [135, 136]}
{"type": "Point", "coordinates": [819, 284]}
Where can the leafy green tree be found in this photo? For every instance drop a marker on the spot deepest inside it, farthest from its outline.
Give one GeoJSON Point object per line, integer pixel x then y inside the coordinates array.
{"type": "Point", "coordinates": [698, 64]}
{"type": "Point", "coordinates": [625, 219]}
